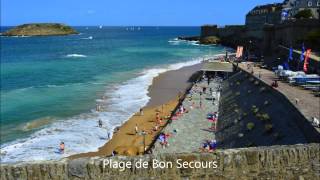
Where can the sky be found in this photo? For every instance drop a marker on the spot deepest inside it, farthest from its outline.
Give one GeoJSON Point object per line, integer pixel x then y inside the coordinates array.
{"type": "Point", "coordinates": [128, 12]}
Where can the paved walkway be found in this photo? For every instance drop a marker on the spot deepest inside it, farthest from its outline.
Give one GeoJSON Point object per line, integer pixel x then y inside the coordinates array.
{"type": "Point", "coordinates": [309, 105]}
{"type": "Point", "coordinates": [192, 128]}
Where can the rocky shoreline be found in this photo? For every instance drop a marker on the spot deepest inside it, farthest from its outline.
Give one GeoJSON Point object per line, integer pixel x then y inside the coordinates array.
{"type": "Point", "coordinates": [208, 40]}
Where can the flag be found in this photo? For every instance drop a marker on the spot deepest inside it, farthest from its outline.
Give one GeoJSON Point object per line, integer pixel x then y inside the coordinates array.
{"type": "Point", "coordinates": [306, 63]}
{"type": "Point", "coordinates": [302, 53]}
{"type": "Point", "coordinates": [290, 54]}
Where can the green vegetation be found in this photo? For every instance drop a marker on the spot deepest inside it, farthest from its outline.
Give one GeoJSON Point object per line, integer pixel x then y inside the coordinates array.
{"type": "Point", "coordinates": [254, 109]}
{"type": "Point", "coordinates": [304, 14]}
{"type": "Point", "coordinates": [250, 126]}
{"type": "Point", "coordinates": [40, 29]}
{"type": "Point", "coordinates": [268, 127]}
{"type": "Point", "coordinates": [313, 38]}
{"type": "Point", "coordinates": [265, 117]}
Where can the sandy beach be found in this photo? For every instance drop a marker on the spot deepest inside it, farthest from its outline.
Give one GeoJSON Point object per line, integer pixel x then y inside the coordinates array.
{"type": "Point", "coordinates": [164, 93]}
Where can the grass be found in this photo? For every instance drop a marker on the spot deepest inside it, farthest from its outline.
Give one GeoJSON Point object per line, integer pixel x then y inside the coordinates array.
{"type": "Point", "coordinates": [250, 126]}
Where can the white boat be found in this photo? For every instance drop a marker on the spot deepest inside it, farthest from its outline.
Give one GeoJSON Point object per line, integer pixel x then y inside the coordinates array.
{"type": "Point", "coordinates": [100, 27]}
{"type": "Point", "coordinates": [90, 37]}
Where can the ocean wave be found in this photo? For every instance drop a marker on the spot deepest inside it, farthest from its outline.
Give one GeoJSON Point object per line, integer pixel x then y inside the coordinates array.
{"type": "Point", "coordinates": [177, 41]}
{"type": "Point", "coordinates": [76, 56]}
{"type": "Point", "coordinates": [81, 133]}
{"type": "Point", "coordinates": [89, 38]}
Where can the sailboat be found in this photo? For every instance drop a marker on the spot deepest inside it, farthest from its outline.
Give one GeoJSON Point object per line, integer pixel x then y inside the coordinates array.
{"type": "Point", "coordinates": [100, 27]}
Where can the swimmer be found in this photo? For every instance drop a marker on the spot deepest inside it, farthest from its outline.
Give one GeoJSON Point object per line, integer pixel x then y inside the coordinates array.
{"type": "Point", "coordinates": [61, 147]}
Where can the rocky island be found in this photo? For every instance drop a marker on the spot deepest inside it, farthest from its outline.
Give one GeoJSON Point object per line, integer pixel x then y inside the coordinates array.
{"type": "Point", "coordinates": [40, 29]}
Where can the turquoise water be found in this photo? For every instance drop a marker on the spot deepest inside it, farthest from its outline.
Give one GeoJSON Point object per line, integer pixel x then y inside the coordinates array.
{"type": "Point", "coordinates": [51, 83]}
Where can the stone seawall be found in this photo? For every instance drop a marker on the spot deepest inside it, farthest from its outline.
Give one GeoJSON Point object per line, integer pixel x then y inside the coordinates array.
{"type": "Point", "coordinates": [274, 162]}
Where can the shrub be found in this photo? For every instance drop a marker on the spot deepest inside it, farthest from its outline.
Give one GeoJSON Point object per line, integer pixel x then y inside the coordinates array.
{"type": "Point", "coordinates": [265, 117]}
{"type": "Point", "coordinates": [256, 83]}
{"type": "Point", "coordinates": [254, 109]}
{"type": "Point", "coordinates": [249, 91]}
{"type": "Point", "coordinates": [245, 114]}
{"type": "Point", "coordinates": [250, 126]}
{"type": "Point", "coordinates": [238, 83]}
{"type": "Point", "coordinates": [266, 102]}
{"type": "Point", "coordinates": [238, 93]}
{"type": "Point", "coordinates": [251, 79]}
{"type": "Point", "coordinates": [268, 128]}
{"type": "Point", "coordinates": [306, 13]}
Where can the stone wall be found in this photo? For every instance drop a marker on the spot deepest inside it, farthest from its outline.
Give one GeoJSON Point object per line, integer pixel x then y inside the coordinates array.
{"type": "Point", "coordinates": [275, 162]}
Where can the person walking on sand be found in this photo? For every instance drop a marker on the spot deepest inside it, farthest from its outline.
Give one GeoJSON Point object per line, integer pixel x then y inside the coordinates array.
{"type": "Point", "coordinates": [136, 129]}
{"type": "Point", "coordinates": [141, 112]}
{"type": "Point", "coordinates": [61, 148]}
{"type": "Point", "coordinates": [108, 135]}
{"type": "Point", "coordinates": [100, 123]}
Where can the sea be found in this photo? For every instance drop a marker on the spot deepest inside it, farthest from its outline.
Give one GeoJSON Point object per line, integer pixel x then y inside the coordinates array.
{"type": "Point", "coordinates": [50, 86]}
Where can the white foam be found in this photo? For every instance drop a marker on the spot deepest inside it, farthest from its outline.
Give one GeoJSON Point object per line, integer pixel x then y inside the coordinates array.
{"type": "Point", "coordinates": [76, 56]}
{"type": "Point", "coordinates": [81, 133]}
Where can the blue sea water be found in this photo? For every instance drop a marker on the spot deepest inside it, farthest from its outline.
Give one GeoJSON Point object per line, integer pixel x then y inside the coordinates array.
{"type": "Point", "coordinates": [50, 85]}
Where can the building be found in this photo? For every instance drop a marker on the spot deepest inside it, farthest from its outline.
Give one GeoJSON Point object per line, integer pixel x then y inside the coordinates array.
{"type": "Point", "coordinates": [265, 14]}
{"type": "Point", "coordinates": [292, 7]}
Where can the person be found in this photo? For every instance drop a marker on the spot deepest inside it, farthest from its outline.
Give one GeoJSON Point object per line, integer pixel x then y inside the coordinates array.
{"type": "Point", "coordinates": [259, 74]}
{"type": "Point", "coordinates": [108, 135]}
{"type": "Point", "coordinates": [136, 129]}
{"type": "Point", "coordinates": [141, 112]}
{"type": "Point", "coordinates": [212, 145]}
{"type": "Point", "coordinates": [204, 89]}
{"type": "Point", "coordinates": [61, 147]}
{"type": "Point", "coordinates": [100, 123]}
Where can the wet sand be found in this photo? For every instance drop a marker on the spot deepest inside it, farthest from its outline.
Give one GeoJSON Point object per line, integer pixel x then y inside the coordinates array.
{"type": "Point", "coordinates": [164, 93]}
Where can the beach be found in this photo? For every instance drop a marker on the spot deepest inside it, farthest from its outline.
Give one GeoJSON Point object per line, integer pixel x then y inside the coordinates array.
{"type": "Point", "coordinates": [164, 98]}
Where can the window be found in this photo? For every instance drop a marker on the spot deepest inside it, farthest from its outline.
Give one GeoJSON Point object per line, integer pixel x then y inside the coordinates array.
{"type": "Point", "coordinates": [309, 3]}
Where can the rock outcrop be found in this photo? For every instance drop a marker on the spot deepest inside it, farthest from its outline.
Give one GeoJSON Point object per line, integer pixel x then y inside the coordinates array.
{"type": "Point", "coordinates": [209, 40]}
{"type": "Point", "coordinates": [274, 162]}
{"type": "Point", "coordinates": [40, 29]}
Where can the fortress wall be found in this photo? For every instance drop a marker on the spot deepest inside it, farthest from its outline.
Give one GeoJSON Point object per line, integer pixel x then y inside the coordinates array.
{"type": "Point", "coordinates": [275, 162]}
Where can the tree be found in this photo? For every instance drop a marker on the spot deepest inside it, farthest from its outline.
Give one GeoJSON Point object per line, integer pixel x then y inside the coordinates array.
{"type": "Point", "coordinates": [306, 13]}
